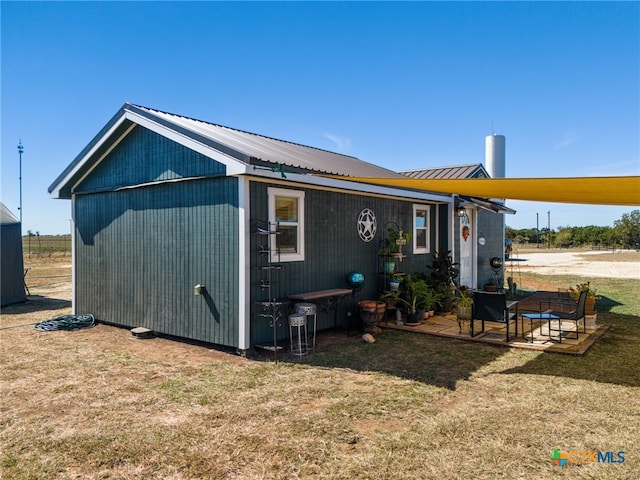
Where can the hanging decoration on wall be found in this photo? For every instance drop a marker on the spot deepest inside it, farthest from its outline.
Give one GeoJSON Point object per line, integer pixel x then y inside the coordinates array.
{"type": "Point", "coordinates": [367, 225]}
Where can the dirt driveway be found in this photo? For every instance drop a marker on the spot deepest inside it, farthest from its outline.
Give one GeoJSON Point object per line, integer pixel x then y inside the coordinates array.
{"type": "Point", "coordinates": [619, 264]}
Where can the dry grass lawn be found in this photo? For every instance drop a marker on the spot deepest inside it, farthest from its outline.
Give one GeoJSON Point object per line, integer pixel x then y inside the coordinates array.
{"type": "Point", "coordinates": [97, 404]}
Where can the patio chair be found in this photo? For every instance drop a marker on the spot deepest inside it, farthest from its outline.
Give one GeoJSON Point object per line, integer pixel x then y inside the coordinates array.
{"type": "Point", "coordinates": [494, 307]}
{"type": "Point", "coordinates": [567, 309]}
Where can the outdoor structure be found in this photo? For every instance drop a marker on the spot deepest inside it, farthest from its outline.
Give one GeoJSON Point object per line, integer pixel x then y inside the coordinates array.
{"type": "Point", "coordinates": [478, 226]}
{"type": "Point", "coordinates": [189, 228]}
{"type": "Point", "coordinates": [12, 280]}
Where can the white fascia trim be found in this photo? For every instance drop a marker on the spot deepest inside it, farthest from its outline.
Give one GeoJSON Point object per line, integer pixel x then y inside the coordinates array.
{"type": "Point", "coordinates": [234, 167]}
{"type": "Point", "coordinates": [336, 184]}
{"type": "Point", "coordinates": [244, 256]}
{"type": "Point", "coordinates": [55, 193]}
{"type": "Point", "coordinates": [437, 230]}
{"type": "Point", "coordinates": [73, 256]}
{"type": "Point", "coordinates": [452, 230]}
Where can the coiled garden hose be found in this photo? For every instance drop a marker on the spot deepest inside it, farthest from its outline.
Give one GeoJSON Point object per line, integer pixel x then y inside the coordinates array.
{"type": "Point", "coordinates": [66, 322]}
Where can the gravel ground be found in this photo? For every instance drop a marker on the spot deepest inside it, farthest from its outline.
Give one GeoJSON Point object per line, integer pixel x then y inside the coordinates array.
{"type": "Point", "coordinates": [619, 264]}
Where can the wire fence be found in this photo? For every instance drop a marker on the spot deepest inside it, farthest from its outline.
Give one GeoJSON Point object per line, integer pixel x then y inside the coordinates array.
{"type": "Point", "coordinates": [46, 245]}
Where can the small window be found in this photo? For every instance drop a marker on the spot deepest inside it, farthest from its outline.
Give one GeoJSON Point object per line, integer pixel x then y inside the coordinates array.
{"type": "Point", "coordinates": [286, 209]}
{"type": "Point", "coordinates": [421, 229]}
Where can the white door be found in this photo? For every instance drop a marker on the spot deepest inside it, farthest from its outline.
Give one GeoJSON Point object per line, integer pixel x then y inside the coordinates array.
{"type": "Point", "coordinates": [466, 249]}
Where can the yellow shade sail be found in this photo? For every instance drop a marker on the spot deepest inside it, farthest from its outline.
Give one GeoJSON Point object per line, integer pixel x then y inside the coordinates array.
{"type": "Point", "coordinates": [587, 190]}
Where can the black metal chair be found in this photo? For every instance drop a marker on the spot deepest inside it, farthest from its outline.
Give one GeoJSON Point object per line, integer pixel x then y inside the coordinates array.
{"type": "Point", "coordinates": [494, 307]}
{"type": "Point", "coordinates": [567, 309]}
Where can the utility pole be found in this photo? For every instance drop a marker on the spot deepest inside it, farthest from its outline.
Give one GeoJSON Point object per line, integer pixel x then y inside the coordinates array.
{"type": "Point", "coordinates": [537, 230]}
{"type": "Point", "coordinates": [20, 150]}
{"type": "Point", "coordinates": [549, 227]}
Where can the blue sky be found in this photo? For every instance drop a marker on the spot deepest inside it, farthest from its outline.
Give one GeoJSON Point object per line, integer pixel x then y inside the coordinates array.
{"type": "Point", "coordinates": [402, 85]}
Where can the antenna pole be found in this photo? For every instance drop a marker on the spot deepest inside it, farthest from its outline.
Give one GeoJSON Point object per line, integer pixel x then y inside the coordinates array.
{"type": "Point", "coordinates": [20, 150]}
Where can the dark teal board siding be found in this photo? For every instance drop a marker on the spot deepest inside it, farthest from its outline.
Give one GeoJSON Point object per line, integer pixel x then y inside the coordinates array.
{"type": "Point", "coordinates": [493, 231]}
{"type": "Point", "coordinates": [443, 228]}
{"type": "Point", "coordinates": [140, 252]}
{"type": "Point", "coordinates": [333, 248]}
{"type": "Point", "coordinates": [129, 162]}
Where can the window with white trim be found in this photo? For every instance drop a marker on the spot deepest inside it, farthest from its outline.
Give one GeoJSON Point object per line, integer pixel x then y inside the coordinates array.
{"type": "Point", "coordinates": [421, 224]}
{"type": "Point", "coordinates": [286, 210]}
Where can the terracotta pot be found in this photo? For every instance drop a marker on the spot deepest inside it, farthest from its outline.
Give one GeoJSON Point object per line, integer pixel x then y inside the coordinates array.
{"type": "Point", "coordinates": [367, 305]}
{"type": "Point", "coordinates": [371, 312]}
{"type": "Point", "coordinates": [590, 306]}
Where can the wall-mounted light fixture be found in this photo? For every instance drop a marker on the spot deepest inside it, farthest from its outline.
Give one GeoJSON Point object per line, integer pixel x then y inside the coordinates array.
{"type": "Point", "coordinates": [461, 211]}
{"type": "Point", "coordinates": [199, 290]}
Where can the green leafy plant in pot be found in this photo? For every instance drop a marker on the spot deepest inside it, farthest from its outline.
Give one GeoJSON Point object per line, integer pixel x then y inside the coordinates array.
{"type": "Point", "coordinates": [429, 300]}
{"type": "Point", "coordinates": [396, 239]}
{"type": "Point", "coordinates": [391, 299]}
{"type": "Point", "coordinates": [592, 296]}
{"type": "Point", "coordinates": [446, 298]}
{"type": "Point", "coordinates": [443, 269]}
{"type": "Point", "coordinates": [414, 292]}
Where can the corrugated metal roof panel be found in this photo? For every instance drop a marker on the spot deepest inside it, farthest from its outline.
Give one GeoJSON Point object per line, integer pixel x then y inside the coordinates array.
{"type": "Point", "coordinates": [475, 170]}
{"type": "Point", "coordinates": [268, 150]}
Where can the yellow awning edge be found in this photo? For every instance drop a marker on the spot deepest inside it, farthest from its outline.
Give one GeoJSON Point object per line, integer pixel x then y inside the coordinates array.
{"type": "Point", "coordinates": [623, 190]}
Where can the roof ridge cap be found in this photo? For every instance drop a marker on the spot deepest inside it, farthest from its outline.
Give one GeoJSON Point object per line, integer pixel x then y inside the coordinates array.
{"type": "Point", "coordinates": [245, 131]}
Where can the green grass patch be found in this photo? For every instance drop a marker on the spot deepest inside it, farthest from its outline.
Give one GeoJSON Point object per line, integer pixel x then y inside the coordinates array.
{"type": "Point", "coordinates": [618, 295]}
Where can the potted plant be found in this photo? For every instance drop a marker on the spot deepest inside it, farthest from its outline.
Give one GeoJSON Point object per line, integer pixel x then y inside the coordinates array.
{"type": "Point", "coordinates": [429, 301]}
{"type": "Point", "coordinates": [394, 283]}
{"type": "Point", "coordinates": [371, 312]}
{"type": "Point", "coordinates": [445, 298]}
{"type": "Point", "coordinates": [490, 287]}
{"type": "Point", "coordinates": [390, 298]}
{"type": "Point", "coordinates": [443, 269]}
{"type": "Point", "coordinates": [389, 267]}
{"type": "Point", "coordinates": [395, 240]}
{"type": "Point", "coordinates": [411, 296]}
{"type": "Point", "coordinates": [592, 296]}
{"type": "Point", "coordinates": [464, 308]}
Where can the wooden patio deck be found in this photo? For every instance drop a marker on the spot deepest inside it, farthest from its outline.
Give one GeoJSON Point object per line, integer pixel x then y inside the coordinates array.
{"type": "Point", "coordinates": [494, 334]}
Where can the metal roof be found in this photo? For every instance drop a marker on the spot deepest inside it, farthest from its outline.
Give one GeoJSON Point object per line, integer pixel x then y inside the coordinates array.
{"type": "Point", "coordinates": [475, 170]}
{"type": "Point", "coordinates": [241, 152]}
{"type": "Point", "coordinates": [6, 217]}
{"type": "Point", "coordinates": [266, 151]}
